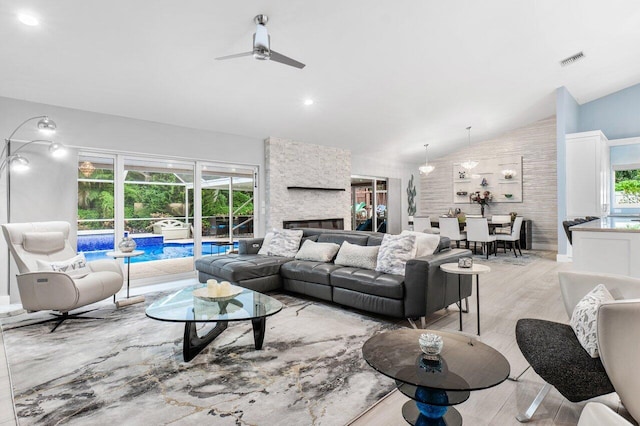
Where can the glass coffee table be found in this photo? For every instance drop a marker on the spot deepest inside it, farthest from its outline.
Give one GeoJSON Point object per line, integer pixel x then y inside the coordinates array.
{"type": "Point", "coordinates": [434, 385]}
{"type": "Point", "coordinates": [183, 306]}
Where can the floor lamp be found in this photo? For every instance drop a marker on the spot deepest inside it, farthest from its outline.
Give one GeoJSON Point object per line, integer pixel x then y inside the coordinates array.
{"type": "Point", "coordinates": [15, 162]}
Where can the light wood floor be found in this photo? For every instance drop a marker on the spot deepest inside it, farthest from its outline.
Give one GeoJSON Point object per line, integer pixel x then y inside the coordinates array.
{"type": "Point", "coordinates": [507, 293]}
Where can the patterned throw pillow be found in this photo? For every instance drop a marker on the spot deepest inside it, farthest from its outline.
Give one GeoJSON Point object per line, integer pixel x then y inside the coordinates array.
{"type": "Point", "coordinates": [394, 252]}
{"type": "Point", "coordinates": [264, 248]}
{"type": "Point", "coordinates": [76, 267]}
{"type": "Point", "coordinates": [357, 256]}
{"type": "Point", "coordinates": [584, 319]}
{"type": "Point", "coordinates": [318, 252]}
{"type": "Point", "coordinates": [426, 244]}
{"type": "Point", "coordinates": [285, 242]}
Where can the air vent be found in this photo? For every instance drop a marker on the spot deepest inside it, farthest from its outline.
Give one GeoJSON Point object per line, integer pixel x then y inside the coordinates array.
{"type": "Point", "coordinates": [571, 59]}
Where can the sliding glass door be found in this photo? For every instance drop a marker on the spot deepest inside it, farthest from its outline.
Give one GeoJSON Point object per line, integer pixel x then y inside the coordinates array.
{"type": "Point", "coordinates": [227, 203]}
{"type": "Point", "coordinates": [176, 211]}
{"type": "Point", "coordinates": [369, 204]}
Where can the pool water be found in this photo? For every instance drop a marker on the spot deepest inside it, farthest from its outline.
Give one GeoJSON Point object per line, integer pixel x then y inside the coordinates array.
{"type": "Point", "coordinates": [160, 251]}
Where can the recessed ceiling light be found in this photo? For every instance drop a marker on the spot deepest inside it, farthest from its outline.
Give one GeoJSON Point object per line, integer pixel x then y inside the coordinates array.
{"type": "Point", "coordinates": [308, 102]}
{"type": "Point", "coordinates": [27, 19]}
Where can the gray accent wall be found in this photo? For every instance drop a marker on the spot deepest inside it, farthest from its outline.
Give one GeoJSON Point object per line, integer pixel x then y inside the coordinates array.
{"type": "Point", "coordinates": [536, 143]}
{"type": "Point", "coordinates": [290, 163]}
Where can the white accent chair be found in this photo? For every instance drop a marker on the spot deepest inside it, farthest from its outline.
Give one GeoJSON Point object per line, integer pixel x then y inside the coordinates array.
{"type": "Point", "coordinates": [513, 238]}
{"type": "Point", "coordinates": [450, 228]}
{"type": "Point", "coordinates": [478, 232]}
{"type": "Point", "coordinates": [597, 414]}
{"type": "Point", "coordinates": [56, 291]}
{"type": "Point", "coordinates": [423, 224]}
{"type": "Point", "coordinates": [556, 355]}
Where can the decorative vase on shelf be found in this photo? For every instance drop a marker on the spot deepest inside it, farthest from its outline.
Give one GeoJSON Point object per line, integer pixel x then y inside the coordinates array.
{"type": "Point", "coordinates": [127, 244]}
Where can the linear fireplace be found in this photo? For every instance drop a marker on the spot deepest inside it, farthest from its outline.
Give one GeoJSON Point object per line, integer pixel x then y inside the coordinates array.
{"type": "Point", "coordinates": [314, 223]}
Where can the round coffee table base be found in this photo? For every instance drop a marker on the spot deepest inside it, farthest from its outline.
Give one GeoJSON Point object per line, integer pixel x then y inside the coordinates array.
{"type": "Point", "coordinates": [411, 414]}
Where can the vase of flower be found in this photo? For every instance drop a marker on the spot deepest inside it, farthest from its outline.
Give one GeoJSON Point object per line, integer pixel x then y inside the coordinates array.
{"type": "Point", "coordinates": [482, 198]}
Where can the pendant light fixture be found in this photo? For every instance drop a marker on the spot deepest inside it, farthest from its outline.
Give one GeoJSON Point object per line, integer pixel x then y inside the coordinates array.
{"type": "Point", "coordinates": [426, 168]}
{"type": "Point", "coordinates": [469, 164]}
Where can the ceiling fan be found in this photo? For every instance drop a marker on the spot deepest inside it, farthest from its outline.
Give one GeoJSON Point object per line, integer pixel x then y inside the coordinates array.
{"type": "Point", "coordinates": [261, 46]}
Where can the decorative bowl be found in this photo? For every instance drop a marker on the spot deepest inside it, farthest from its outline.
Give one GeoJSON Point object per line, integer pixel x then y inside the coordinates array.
{"type": "Point", "coordinates": [431, 344]}
{"type": "Point", "coordinates": [508, 195]}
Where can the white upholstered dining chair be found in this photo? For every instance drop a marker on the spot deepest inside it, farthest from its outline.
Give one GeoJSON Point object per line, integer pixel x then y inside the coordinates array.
{"type": "Point", "coordinates": [478, 232]}
{"type": "Point", "coordinates": [513, 238]}
{"type": "Point", "coordinates": [450, 228]}
{"type": "Point", "coordinates": [423, 224]}
{"type": "Point", "coordinates": [43, 243]}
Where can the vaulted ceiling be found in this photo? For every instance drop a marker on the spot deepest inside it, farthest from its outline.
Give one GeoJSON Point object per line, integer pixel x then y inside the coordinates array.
{"type": "Point", "coordinates": [386, 77]}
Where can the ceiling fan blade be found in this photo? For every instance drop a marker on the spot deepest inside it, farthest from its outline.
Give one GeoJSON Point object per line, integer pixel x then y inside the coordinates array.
{"type": "Point", "coordinates": [275, 56]}
{"type": "Point", "coordinates": [237, 55]}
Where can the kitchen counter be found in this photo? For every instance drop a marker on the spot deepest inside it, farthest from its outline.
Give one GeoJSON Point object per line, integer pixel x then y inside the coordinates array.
{"type": "Point", "coordinates": [610, 224]}
{"type": "Point", "coordinates": [609, 245]}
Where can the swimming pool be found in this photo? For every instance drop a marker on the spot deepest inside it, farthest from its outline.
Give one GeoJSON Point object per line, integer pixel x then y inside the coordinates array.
{"type": "Point", "coordinates": [153, 247]}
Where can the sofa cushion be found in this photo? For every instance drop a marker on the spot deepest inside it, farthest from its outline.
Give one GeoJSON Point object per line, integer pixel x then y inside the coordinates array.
{"type": "Point", "coordinates": [318, 252]}
{"type": "Point", "coordinates": [239, 267]}
{"type": "Point", "coordinates": [309, 271]}
{"type": "Point", "coordinates": [374, 240]}
{"type": "Point", "coordinates": [360, 240]}
{"type": "Point", "coordinates": [394, 253]}
{"type": "Point", "coordinates": [369, 282]}
{"type": "Point", "coordinates": [357, 256]}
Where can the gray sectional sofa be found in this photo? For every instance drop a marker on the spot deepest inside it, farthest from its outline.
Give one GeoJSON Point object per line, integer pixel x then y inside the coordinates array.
{"type": "Point", "coordinates": [422, 290]}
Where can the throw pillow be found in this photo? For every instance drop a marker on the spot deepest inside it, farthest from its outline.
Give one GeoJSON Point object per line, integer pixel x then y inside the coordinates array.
{"type": "Point", "coordinates": [357, 256]}
{"type": "Point", "coordinates": [426, 244]}
{"type": "Point", "coordinates": [584, 319]}
{"type": "Point", "coordinates": [285, 242]}
{"type": "Point", "coordinates": [76, 267]}
{"type": "Point", "coordinates": [318, 252]}
{"type": "Point", "coordinates": [394, 252]}
{"type": "Point", "coordinates": [264, 248]}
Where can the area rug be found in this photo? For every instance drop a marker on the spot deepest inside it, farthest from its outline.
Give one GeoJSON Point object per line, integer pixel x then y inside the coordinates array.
{"type": "Point", "coordinates": [128, 369]}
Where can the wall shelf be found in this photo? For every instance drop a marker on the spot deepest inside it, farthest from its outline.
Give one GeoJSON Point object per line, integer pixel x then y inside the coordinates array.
{"type": "Point", "coordinates": [490, 171]}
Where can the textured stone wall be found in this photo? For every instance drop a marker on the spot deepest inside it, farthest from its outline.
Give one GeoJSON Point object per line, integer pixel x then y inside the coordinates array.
{"type": "Point", "coordinates": [291, 163]}
{"type": "Point", "coordinates": [536, 143]}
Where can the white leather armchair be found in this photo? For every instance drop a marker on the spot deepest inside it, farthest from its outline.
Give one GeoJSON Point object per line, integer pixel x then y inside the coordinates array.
{"type": "Point", "coordinates": [56, 291]}
{"type": "Point", "coordinates": [555, 354]}
{"type": "Point", "coordinates": [597, 414]}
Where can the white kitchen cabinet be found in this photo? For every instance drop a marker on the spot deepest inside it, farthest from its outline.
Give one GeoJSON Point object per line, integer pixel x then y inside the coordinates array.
{"type": "Point", "coordinates": [588, 174]}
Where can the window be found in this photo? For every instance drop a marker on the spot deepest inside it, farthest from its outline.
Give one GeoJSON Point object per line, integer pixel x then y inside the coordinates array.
{"type": "Point", "coordinates": [626, 190]}
{"type": "Point", "coordinates": [175, 211]}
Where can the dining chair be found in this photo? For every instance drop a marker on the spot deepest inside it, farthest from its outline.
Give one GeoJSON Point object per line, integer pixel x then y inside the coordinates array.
{"type": "Point", "coordinates": [450, 228]}
{"type": "Point", "coordinates": [504, 220]}
{"type": "Point", "coordinates": [478, 232]}
{"type": "Point", "coordinates": [514, 238]}
{"type": "Point", "coordinates": [423, 224]}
